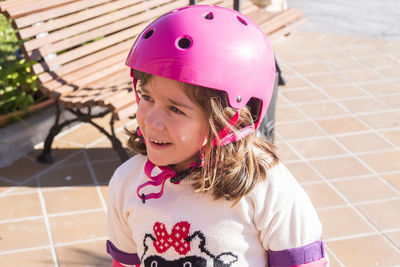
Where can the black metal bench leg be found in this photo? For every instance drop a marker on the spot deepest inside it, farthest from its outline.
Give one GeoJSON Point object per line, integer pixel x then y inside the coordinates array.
{"type": "Point", "coordinates": [281, 80]}
{"type": "Point", "coordinates": [116, 144]}
{"type": "Point", "coordinates": [46, 156]}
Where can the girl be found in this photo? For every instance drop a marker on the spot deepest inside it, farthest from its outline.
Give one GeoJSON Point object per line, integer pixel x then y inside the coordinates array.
{"type": "Point", "coordinates": [203, 78]}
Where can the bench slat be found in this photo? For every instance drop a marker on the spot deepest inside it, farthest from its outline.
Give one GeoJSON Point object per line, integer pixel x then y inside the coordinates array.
{"type": "Point", "coordinates": [84, 28]}
{"type": "Point", "coordinates": [81, 63]}
{"type": "Point", "coordinates": [65, 21]}
{"type": "Point", "coordinates": [80, 73]}
{"type": "Point", "coordinates": [29, 7]}
{"type": "Point", "coordinates": [288, 29]}
{"type": "Point", "coordinates": [81, 35]}
{"type": "Point", "coordinates": [280, 20]}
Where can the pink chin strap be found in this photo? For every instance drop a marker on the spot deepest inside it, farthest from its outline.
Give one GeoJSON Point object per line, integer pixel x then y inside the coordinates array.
{"type": "Point", "coordinates": [160, 179]}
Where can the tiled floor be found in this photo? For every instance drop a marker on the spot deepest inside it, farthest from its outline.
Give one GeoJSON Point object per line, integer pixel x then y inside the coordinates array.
{"type": "Point", "coordinates": [338, 130]}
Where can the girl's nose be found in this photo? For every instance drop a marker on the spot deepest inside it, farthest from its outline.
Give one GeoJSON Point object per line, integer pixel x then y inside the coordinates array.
{"type": "Point", "coordinates": [154, 120]}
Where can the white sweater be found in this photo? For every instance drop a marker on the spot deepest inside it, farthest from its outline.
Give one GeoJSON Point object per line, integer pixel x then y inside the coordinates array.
{"type": "Point", "coordinates": [186, 226]}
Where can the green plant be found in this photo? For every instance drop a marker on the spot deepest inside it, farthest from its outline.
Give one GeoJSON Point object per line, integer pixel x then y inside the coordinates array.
{"type": "Point", "coordinates": [18, 88]}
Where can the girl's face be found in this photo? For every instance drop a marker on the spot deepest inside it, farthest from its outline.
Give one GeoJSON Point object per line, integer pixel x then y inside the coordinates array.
{"type": "Point", "coordinates": [174, 127]}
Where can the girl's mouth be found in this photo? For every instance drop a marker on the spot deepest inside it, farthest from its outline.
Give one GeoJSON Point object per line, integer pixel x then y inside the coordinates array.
{"type": "Point", "coordinates": [158, 143]}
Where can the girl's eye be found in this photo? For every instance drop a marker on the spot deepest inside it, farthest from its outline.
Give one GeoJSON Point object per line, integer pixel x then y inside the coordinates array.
{"type": "Point", "coordinates": [176, 110]}
{"type": "Point", "coordinates": [145, 97]}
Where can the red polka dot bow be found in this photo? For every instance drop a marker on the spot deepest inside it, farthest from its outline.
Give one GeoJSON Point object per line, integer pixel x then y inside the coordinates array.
{"type": "Point", "coordinates": [176, 239]}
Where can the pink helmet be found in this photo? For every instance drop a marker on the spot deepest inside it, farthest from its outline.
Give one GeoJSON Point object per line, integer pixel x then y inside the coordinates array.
{"type": "Point", "coordinates": [209, 46]}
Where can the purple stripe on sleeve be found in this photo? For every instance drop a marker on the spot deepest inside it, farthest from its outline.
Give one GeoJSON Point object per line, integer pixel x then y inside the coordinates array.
{"type": "Point", "coordinates": [297, 256]}
{"type": "Point", "coordinates": [120, 256]}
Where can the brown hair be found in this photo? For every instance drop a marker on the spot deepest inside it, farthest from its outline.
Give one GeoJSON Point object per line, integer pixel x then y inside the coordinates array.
{"type": "Point", "coordinates": [230, 171]}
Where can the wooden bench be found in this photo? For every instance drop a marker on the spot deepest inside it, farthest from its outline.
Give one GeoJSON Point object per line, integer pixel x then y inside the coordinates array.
{"type": "Point", "coordinates": [81, 45]}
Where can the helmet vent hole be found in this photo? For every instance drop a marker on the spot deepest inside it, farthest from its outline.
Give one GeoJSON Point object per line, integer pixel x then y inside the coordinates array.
{"type": "Point", "coordinates": [241, 20]}
{"type": "Point", "coordinates": [149, 34]}
{"type": "Point", "coordinates": [184, 43]}
{"type": "Point", "coordinates": [209, 16]}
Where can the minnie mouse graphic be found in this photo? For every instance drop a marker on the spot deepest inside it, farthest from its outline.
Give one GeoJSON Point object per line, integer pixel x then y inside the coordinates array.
{"type": "Point", "coordinates": [184, 244]}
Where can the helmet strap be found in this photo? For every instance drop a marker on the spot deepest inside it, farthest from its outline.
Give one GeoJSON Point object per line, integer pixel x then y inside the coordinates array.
{"type": "Point", "coordinates": [226, 136]}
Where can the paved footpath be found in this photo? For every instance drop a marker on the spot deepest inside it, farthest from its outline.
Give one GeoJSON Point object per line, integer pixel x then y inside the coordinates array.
{"type": "Point", "coordinates": [369, 18]}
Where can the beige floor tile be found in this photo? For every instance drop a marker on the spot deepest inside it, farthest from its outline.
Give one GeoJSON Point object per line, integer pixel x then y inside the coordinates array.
{"type": "Point", "coordinates": [281, 101]}
{"type": "Point", "coordinates": [367, 104]}
{"type": "Point", "coordinates": [327, 55]}
{"type": "Point", "coordinates": [379, 62]}
{"type": "Point", "coordinates": [362, 75]}
{"type": "Point", "coordinates": [73, 172]}
{"type": "Point", "coordinates": [392, 101]}
{"type": "Point", "coordinates": [391, 73]}
{"type": "Point", "coordinates": [310, 68]}
{"type": "Point", "coordinates": [20, 206]}
{"type": "Point", "coordinates": [23, 234]}
{"type": "Point", "coordinates": [322, 195]}
{"type": "Point", "coordinates": [394, 237]}
{"type": "Point", "coordinates": [22, 169]}
{"type": "Point", "coordinates": [104, 191]}
{"type": "Point", "coordinates": [365, 251]}
{"type": "Point", "coordinates": [288, 113]}
{"type": "Point", "coordinates": [365, 189]}
{"type": "Point", "coordinates": [304, 95]}
{"type": "Point", "coordinates": [364, 142]}
{"type": "Point", "coordinates": [295, 82]}
{"type": "Point", "coordinates": [393, 179]}
{"type": "Point", "coordinates": [382, 120]}
{"type": "Point", "coordinates": [299, 130]}
{"type": "Point", "coordinates": [383, 161]}
{"type": "Point", "coordinates": [85, 254]}
{"type": "Point", "coordinates": [290, 56]}
{"type": "Point", "coordinates": [72, 199]}
{"type": "Point", "coordinates": [381, 87]}
{"type": "Point", "coordinates": [343, 91]}
{"type": "Point", "coordinates": [393, 136]}
{"type": "Point", "coordinates": [318, 148]}
{"type": "Point", "coordinates": [377, 43]}
{"type": "Point", "coordinates": [340, 167]}
{"type": "Point", "coordinates": [339, 40]}
{"type": "Point", "coordinates": [85, 134]}
{"type": "Point", "coordinates": [76, 227]}
{"type": "Point", "coordinates": [59, 144]}
{"type": "Point", "coordinates": [302, 172]}
{"type": "Point", "coordinates": [332, 260]}
{"type": "Point", "coordinates": [363, 51]}
{"type": "Point", "coordinates": [342, 125]}
{"type": "Point", "coordinates": [326, 79]}
{"type": "Point", "coordinates": [342, 222]}
{"type": "Point", "coordinates": [287, 71]}
{"type": "Point", "coordinates": [5, 186]}
{"type": "Point", "coordinates": [102, 143]}
{"type": "Point", "coordinates": [35, 258]}
{"type": "Point", "coordinates": [285, 153]}
{"type": "Point", "coordinates": [344, 64]}
{"type": "Point", "coordinates": [321, 110]}
{"type": "Point", "coordinates": [104, 170]}
{"type": "Point", "coordinates": [385, 215]}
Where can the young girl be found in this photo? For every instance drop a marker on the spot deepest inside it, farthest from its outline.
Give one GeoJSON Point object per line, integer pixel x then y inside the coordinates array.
{"type": "Point", "coordinates": [203, 190]}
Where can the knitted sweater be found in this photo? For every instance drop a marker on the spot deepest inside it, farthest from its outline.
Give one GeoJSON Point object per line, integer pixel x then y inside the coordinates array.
{"type": "Point", "coordinates": [184, 227]}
